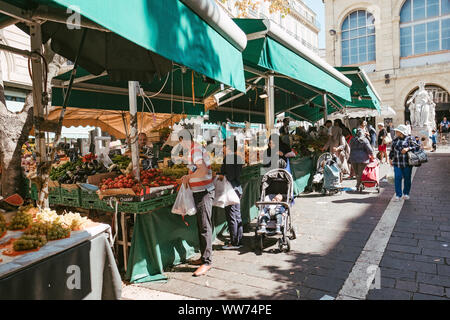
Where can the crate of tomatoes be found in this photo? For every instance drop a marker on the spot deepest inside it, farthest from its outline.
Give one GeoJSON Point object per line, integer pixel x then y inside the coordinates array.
{"type": "Point", "coordinates": [126, 188]}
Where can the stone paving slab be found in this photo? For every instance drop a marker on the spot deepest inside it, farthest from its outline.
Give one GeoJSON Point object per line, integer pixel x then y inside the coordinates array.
{"type": "Point", "coordinates": [332, 235]}
{"type": "Point", "coordinates": [418, 252]}
{"type": "Point", "coordinates": [332, 231]}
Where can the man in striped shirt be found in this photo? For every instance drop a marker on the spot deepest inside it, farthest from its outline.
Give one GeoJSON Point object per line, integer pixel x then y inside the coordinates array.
{"type": "Point", "coordinates": [200, 181]}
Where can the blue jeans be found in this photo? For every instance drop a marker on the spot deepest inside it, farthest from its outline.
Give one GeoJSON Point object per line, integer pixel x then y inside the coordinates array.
{"type": "Point", "coordinates": [402, 174]}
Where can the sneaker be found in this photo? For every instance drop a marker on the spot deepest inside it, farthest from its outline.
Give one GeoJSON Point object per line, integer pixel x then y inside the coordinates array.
{"type": "Point", "coordinates": [261, 230]}
{"type": "Point", "coordinates": [397, 199]}
{"type": "Point", "coordinates": [406, 197]}
{"type": "Point", "coordinates": [231, 247]}
{"type": "Point", "coordinates": [278, 229]}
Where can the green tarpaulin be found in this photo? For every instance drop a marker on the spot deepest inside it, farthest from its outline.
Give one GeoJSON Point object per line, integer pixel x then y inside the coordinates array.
{"type": "Point", "coordinates": [296, 80]}
{"type": "Point", "coordinates": [175, 92]}
{"type": "Point", "coordinates": [147, 35]}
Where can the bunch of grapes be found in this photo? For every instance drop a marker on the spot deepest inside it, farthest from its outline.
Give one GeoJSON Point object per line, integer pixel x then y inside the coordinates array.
{"type": "Point", "coordinates": [38, 228]}
{"type": "Point", "coordinates": [29, 242]}
{"type": "Point", "coordinates": [57, 231]}
{"type": "Point", "coordinates": [21, 220]}
{"type": "Point", "coordinates": [2, 224]}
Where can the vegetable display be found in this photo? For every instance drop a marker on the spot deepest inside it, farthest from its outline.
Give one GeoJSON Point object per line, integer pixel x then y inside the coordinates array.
{"type": "Point", "coordinates": [122, 162]}
{"type": "Point", "coordinates": [73, 172]}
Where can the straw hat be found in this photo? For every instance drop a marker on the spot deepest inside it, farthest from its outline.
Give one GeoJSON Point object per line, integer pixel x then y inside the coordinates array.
{"type": "Point", "coordinates": [402, 129]}
{"type": "Point", "coordinates": [381, 124]}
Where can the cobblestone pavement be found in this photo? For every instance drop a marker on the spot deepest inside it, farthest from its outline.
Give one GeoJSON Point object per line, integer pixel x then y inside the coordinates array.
{"type": "Point", "coordinates": [332, 232]}
{"type": "Point", "coordinates": [416, 263]}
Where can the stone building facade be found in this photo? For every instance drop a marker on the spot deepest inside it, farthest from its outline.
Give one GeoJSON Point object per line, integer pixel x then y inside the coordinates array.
{"type": "Point", "coordinates": [301, 22]}
{"type": "Point", "coordinates": [398, 43]}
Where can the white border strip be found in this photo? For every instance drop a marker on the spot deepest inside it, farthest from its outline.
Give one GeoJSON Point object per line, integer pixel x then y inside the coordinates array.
{"type": "Point", "coordinates": [364, 271]}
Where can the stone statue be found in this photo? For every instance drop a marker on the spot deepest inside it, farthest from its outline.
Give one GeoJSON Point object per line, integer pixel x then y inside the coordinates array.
{"type": "Point", "coordinates": [422, 107]}
{"type": "Point", "coordinates": [412, 113]}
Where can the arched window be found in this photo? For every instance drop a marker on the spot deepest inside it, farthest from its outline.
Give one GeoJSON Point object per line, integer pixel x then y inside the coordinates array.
{"type": "Point", "coordinates": [358, 38]}
{"type": "Point", "coordinates": [424, 27]}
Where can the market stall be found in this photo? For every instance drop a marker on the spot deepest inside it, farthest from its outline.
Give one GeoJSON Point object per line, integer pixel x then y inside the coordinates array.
{"type": "Point", "coordinates": [139, 39]}
{"type": "Point", "coordinates": [50, 256]}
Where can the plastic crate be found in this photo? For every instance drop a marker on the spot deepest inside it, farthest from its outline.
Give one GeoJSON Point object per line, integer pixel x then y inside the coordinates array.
{"type": "Point", "coordinates": [71, 202]}
{"type": "Point", "coordinates": [103, 206]}
{"type": "Point", "coordinates": [72, 192]}
{"type": "Point", "coordinates": [54, 199]}
{"type": "Point", "coordinates": [88, 203]}
{"type": "Point", "coordinates": [54, 191]}
{"type": "Point", "coordinates": [147, 205]}
{"type": "Point", "coordinates": [86, 195]}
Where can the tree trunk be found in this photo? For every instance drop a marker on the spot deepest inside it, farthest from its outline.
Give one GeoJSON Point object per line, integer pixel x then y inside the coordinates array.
{"type": "Point", "coordinates": [15, 128]}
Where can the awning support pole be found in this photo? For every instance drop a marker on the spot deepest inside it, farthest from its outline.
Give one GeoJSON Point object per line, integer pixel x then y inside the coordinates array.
{"type": "Point", "coordinates": [37, 82]}
{"type": "Point", "coordinates": [133, 91]}
{"type": "Point", "coordinates": [325, 106]}
{"type": "Point", "coordinates": [270, 104]}
{"type": "Point", "coordinates": [38, 106]}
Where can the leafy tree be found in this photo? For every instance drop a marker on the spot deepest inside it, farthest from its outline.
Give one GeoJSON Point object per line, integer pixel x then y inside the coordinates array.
{"type": "Point", "coordinates": [243, 6]}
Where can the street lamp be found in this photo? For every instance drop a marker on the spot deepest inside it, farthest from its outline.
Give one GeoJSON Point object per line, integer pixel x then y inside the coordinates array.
{"type": "Point", "coordinates": [333, 34]}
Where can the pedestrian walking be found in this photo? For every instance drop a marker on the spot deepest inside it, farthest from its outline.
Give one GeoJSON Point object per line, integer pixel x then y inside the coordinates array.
{"type": "Point", "coordinates": [408, 128]}
{"type": "Point", "coordinates": [443, 129]}
{"type": "Point", "coordinates": [231, 169]}
{"type": "Point", "coordinates": [402, 144]}
{"type": "Point", "coordinates": [372, 136]}
{"type": "Point", "coordinates": [360, 153]}
{"type": "Point", "coordinates": [201, 183]}
{"type": "Point", "coordinates": [382, 145]}
{"type": "Point", "coordinates": [433, 139]}
{"type": "Point", "coordinates": [334, 139]}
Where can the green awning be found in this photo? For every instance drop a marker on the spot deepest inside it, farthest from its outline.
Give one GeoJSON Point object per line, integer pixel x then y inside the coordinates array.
{"type": "Point", "coordinates": [362, 90]}
{"type": "Point", "coordinates": [297, 80]}
{"type": "Point", "coordinates": [268, 53]}
{"type": "Point", "coordinates": [180, 93]}
{"type": "Point", "coordinates": [144, 33]}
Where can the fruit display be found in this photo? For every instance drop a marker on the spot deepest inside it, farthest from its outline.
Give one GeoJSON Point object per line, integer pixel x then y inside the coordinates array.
{"type": "Point", "coordinates": [38, 228]}
{"type": "Point", "coordinates": [28, 164]}
{"type": "Point", "coordinates": [21, 220]}
{"type": "Point", "coordinates": [149, 178]}
{"type": "Point", "coordinates": [73, 172]}
{"type": "Point", "coordinates": [57, 231]}
{"type": "Point", "coordinates": [29, 242]}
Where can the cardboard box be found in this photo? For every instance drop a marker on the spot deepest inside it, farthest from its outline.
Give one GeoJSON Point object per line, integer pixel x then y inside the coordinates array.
{"type": "Point", "coordinates": [123, 194]}
{"type": "Point", "coordinates": [96, 179]}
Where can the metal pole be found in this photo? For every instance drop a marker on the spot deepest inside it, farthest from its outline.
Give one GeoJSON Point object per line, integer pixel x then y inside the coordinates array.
{"type": "Point", "coordinates": [38, 110]}
{"type": "Point", "coordinates": [270, 104]}
{"type": "Point", "coordinates": [133, 90]}
{"type": "Point", "coordinates": [325, 110]}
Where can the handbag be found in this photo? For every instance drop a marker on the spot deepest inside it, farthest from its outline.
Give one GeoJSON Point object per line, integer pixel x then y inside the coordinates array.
{"type": "Point", "coordinates": [416, 158]}
{"type": "Point", "coordinates": [387, 139]}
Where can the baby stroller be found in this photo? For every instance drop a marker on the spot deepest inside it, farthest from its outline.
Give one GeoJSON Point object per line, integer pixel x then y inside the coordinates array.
{"type": "Point", "coordinates": [328, 177]}
{"type": "Point", "coordinates": [274, 182]}
{"type": "Point", "coordinates": [371, 176]}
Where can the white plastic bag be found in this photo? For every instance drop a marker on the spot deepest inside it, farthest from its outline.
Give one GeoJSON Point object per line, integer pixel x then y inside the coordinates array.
{"type": "Point", "coordinates": [390, 176]}
{"type": "Point", "coordinates": [224, 194]}
{"type": "Point", "coordinates": [184, 203]}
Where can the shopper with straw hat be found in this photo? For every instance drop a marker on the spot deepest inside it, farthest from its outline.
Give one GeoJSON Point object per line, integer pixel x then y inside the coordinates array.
{"type": "Point", "coordinates": [402, 144]}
